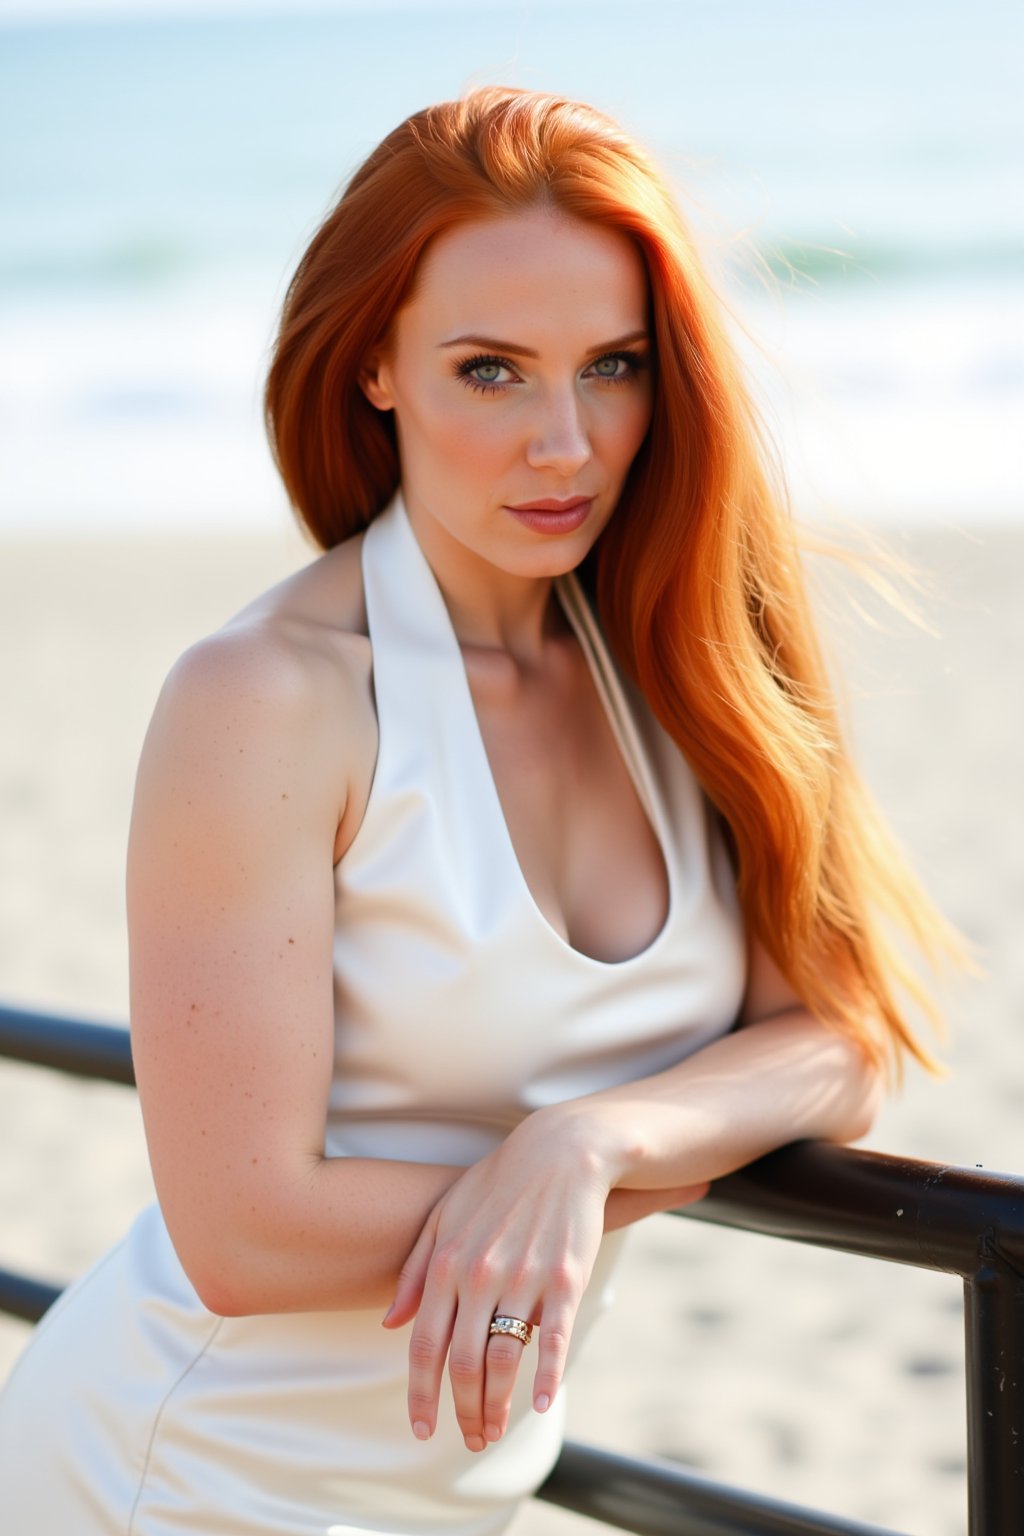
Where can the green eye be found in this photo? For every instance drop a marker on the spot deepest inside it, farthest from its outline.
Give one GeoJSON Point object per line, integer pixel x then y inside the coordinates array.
{"type": "Point", "coordinates": [485, 373]}
{"type": "Point", "coordinates": [607, 367]}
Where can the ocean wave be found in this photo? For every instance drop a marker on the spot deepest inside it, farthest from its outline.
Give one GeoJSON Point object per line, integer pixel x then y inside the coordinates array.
{"type": "Point", "coordinates": [141, 262]}
{"type": "Point", "coordinates": [159, 262]}
{"type": "Point", "coordinates": [799, 261]}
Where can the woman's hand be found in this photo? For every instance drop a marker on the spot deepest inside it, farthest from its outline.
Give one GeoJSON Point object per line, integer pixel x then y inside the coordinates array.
{"type": "Point", "coordinates": [518, 1234]}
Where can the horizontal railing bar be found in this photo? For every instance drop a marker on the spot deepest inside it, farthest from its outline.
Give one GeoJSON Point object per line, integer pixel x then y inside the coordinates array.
{"type": "Point", "coordinates": [873, 1204]}
{"type": "Point", "coordinates": [21, 1296]}
{"type": "Point", "coordinates": [67, 1045]}
{"type": "Point", "coordinates": [653, 1498]}
{"type": "Point", "coordinates": [957, 1220]}
{"type": "Point", "coordinates": [866, 1203]}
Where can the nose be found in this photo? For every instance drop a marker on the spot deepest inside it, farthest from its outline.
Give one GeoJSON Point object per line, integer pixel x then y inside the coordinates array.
{"type": "Point", "coordinates": [559, 438]}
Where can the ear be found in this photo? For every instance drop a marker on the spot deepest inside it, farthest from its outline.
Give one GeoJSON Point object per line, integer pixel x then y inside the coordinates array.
{"type": "Point", "coordinates": [374, 381]}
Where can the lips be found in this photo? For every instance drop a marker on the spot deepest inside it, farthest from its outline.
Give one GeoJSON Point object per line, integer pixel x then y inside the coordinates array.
{"type": "Point", "coordinates": [553, 515]}
{"type": "Point", "coordinates": [550, 504]}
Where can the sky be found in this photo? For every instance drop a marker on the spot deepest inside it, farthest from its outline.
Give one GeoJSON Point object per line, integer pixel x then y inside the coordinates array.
{"type": "Point", "coordinates": [98, 10]}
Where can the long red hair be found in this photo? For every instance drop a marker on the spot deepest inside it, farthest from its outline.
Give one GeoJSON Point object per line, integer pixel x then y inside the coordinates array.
{"type": "Point", "coordinates": [698, 576]}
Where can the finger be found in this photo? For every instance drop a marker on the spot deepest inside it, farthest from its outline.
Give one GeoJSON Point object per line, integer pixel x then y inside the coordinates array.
{"type": "Point", "coordinates": [467, 1356]}
{"type": "Point", "coordinates": [428, 1345]}
{"type": "Point", "coordinates": [411, 1280]}
{"type": "Point", "coordinates": [556, 1325]}
{"type": "Point", "coordinates": [502, 1361]}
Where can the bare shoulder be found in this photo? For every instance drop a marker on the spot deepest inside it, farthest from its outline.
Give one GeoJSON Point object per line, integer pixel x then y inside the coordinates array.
{"type": "Point", "coordinates": [277, 701]}
{"type": "Point", "coordinates": [306, 633]}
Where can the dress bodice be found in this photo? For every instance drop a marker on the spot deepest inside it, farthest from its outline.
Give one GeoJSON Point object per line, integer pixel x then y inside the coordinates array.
{"type": "Point", "coordinates": [459, 1007]}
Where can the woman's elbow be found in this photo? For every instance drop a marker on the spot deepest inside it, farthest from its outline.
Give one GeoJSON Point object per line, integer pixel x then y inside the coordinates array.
{"type": "Point", "coordinates": [231, 1266]}
{"type": "Point", "coordinates": [218, 1273]}
{"type": "Point", "coordinates": [220, 1293]}
{"type": "Point", "coordinates": [861, 1096]}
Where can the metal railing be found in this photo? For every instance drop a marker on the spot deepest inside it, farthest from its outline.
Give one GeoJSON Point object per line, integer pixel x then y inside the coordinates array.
{"type": "Point", "coordinates": [956, 1220]}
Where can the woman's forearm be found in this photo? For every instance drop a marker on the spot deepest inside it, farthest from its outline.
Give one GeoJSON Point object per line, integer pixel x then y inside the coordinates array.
{"type": "Point", "coordinates": [340, 1237]}
{"type": "Point", "coordinates": [780, 1080]}
{"type": "Point", "coordinates": [330, 1236]}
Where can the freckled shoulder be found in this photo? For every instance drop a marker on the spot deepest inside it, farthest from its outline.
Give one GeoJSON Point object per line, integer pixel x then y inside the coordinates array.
{"type": "Point", "coordinates": [287, 680]}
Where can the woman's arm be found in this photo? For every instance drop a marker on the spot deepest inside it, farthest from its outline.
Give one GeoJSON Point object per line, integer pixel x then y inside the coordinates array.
{"type": "Point", "coordinates": [245, 780]}
{"type": "Point", "coordinates": [519, 1232]}
{"type": "Point", "coordinates": [244, 800]}
{"type": "Point", "coordinates": [782, 1076]}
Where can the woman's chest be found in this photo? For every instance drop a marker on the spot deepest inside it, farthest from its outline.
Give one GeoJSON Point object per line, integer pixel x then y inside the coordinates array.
{"type": "Point", "coordinates": [573, 818]}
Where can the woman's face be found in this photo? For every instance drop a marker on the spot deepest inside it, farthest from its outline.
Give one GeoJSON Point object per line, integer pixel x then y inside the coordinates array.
{"type": "Point", "coordinates": [519, 372]}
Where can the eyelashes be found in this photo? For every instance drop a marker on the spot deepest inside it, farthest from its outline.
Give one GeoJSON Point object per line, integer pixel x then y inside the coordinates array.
{"type": "Point", "coordinates": [466, 369]}
{"type": "Point", "coordinates": [634, 362]}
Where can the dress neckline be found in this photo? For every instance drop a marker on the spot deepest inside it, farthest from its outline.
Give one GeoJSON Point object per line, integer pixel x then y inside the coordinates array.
{"type": "Point", "coordinates": [426, 599]}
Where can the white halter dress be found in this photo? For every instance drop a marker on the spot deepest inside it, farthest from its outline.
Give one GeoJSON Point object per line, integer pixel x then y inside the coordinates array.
{"type": "Point", "coordinates": [137, 1412]}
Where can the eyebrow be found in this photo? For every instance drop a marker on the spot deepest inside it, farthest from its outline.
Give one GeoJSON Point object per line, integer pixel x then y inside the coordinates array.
{"type": "Point", "coordinates": [492, 344]}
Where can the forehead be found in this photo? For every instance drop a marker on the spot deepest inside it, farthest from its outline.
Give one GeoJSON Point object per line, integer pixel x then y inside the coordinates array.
{"type": "Point", "coordinates": [535, 268]}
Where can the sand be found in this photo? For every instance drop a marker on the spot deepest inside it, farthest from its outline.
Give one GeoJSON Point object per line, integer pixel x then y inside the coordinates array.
{"type": "Point", "coordinates": [823, 1379]}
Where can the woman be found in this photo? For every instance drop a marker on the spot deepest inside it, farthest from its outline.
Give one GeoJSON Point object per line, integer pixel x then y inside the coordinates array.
{"type": "Point", "coordinates": [454, 948]}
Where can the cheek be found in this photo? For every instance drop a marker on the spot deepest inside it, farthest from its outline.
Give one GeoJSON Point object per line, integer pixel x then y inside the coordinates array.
{"type": "Point", "coordinates": [627, 432]}
{"type": "Point", "coordinates": [461, 431]}
{"type": "Point", "coordinates": [432, 429]}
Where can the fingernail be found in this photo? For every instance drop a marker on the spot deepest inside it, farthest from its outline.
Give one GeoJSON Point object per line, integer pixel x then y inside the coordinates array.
{"type": "Point", "coordinates": [542, 1402]}
{"type": "Point", "coordinates": [421, 1429]}
{"type": "Point", "coordinates": [492, 1432]}
{"type": "Point", "coordinates": [387, 1316]}
{"type": "Point", "coordinates": [475, 1442]}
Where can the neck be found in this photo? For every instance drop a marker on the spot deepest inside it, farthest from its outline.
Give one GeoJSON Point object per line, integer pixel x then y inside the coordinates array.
{"type": "Point", "coordinates": [490, 609]}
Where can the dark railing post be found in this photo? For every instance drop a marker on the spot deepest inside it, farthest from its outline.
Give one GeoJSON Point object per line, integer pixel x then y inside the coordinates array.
{"type": "Point", "coordinates": [994, 1324]}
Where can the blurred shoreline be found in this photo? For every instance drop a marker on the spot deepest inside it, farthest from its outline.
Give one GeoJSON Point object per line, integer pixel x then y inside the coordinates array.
{"type": "Point", "coordinates": [825, 1380]}
{"type": "Point", "coordinates": [876, 260]}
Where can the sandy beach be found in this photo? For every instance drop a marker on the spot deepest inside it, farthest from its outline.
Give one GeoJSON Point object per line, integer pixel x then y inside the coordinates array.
{"type": "Point", "coordinates": [829, 1381]}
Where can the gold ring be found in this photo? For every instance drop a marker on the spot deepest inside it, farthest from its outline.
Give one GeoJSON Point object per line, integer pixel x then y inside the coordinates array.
{"type": "Point", "coordinates": [514, 1325]}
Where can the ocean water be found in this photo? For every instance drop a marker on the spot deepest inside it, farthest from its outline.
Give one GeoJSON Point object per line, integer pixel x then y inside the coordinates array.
{"type": "Point", "coordinates": [856, 174]}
